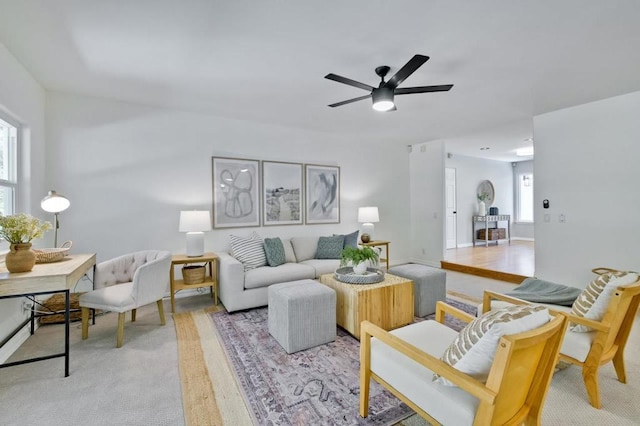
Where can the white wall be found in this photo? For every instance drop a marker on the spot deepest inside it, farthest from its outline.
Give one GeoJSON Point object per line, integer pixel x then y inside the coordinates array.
{"type": "Point", "coordinates": [470, 171]}
{"type": "Point", "coordinates": [587, 167]}
{"type": "Point", "coordinates": [23, 100]}
{"type": "Point", "coordinates": [427, 203]}
{"type": "Point", "coordinates": [129, 170]}
{"type": "Point", "coordinates": [521, 230]}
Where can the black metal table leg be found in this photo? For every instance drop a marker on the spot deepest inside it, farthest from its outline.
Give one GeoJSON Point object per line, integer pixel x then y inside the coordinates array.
{"type": "Point", "coordinates": [67, 322]}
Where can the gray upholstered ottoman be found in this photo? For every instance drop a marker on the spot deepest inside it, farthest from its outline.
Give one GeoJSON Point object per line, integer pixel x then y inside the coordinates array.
{"type": "Point", "coordinates": [429, 286]}
{"type": "Point", "coordinates": [302, 314]}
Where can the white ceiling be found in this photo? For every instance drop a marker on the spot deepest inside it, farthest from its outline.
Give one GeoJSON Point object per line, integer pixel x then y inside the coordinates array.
{"type": "Point", "coordinates": [265, 60]}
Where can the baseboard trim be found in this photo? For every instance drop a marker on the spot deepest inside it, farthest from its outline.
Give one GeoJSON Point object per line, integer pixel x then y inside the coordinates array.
{"type": "Point", "coordinates": [15, 342]}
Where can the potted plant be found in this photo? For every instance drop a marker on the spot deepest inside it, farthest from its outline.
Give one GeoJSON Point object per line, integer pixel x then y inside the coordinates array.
{"type": "Point", "coordinates": [19, 230]}
{"type": "Point", "coordinates": [358, 258]}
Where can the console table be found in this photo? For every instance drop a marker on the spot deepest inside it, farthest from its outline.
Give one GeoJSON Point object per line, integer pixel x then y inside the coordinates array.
{"type": "Point", "coordinates": [46, 278]}
{"type": "Point", "coordinates": [490, 219]}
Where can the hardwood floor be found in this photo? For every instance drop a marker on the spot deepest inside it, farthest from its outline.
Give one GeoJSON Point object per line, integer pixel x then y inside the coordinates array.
{"type": "Point", "coordinates": [507, 262]}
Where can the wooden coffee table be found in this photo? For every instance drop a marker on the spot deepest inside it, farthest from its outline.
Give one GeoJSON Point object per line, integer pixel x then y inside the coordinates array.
{"type": "Point", "coordinates": [388, 304]}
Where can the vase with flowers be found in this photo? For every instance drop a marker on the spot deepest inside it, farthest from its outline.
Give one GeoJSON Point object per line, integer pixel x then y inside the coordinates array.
{"type": "Point", "coordinates": [482, 207]}
{"type": "Point", "coordinates": [19, 230]}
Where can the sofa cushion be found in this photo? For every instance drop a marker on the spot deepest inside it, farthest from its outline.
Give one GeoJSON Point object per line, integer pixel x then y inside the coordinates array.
{"type": "Point", "coordinates": [304, 247]}
{"type": "Point", "coordinates": [474, 348]}
{"type": "Point", "coordinates": [267, 275]}
{"type": "Point", "coordinates": [248, 250]}
{"type": "Point", "coordinates": [322, 266]}
{"type": "Point", "coordinates": [330, 247]}
{"type": "Point", "coordinates": [289, 255]}
{"type": "Point", "coordinates": [274, 251]}
{"type": "Point", "coordinates": [592, 303]}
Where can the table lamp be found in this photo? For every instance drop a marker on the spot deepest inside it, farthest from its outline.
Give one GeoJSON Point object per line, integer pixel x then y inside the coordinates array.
{"type": "Point", "coordinates": [367, 216]}
{"type": "Point", "coordinates": [195, 223]}
{"type": "Point", "coordinates": [55, 203]}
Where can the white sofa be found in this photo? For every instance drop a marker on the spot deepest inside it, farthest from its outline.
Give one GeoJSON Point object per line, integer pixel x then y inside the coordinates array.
{"type": "Point", "coordinates": [240, 289]}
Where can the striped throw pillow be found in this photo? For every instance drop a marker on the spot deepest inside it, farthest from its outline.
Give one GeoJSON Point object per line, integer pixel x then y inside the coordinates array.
{"type": "Point", "coordinates": [592, 303]}
{"type": "Point", "coordinates": [474, 348]}
{"type": "Point", "coordinates": [248, 251]}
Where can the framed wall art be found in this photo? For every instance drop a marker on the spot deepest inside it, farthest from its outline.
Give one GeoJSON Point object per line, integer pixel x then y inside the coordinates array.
{"type": "Point", "coordinates": [322, 189]}
{"type": "Point", "coordinates": [281, 193]}
{"type": "Point", "coordinates": [236, 192]}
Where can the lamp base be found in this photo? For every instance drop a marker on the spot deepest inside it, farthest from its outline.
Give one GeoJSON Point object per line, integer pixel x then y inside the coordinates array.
{"type": "Point", "coordinates": [367, 228]}
{"type": "Point", "coordinates": [195, 244]}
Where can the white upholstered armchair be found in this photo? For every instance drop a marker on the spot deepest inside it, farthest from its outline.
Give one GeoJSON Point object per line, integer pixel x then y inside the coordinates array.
{"type": "Point", "coordinates": [126, 283]}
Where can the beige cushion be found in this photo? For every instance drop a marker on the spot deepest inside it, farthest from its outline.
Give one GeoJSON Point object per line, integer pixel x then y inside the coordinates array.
{"type": "Point", "coordinates": [592, 303]}
{"type": "Point", "coordinates": [474, 348]}
{"type": "Point", "coordinates": [289, 256]}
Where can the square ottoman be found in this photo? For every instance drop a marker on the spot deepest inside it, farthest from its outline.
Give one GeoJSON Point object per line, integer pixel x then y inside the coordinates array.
{"type": "Point", "coordinates": [302, 314]}
{"type": "Point", "coordinates": [429, 286]}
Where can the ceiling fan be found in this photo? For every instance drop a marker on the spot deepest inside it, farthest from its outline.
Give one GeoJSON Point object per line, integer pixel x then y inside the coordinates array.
{"type": "Point", "coordinates": [383, 94]}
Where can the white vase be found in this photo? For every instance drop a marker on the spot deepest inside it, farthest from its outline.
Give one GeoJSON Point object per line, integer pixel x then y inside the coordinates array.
{"type": "Point", "coordinates": [482, 209]}
{"type": "Point", "coordinates": [360, 268]}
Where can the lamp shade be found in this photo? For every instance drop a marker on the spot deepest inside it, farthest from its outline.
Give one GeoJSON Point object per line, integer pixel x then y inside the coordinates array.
{"type": "Point", "coordinates": [54, 202]}
{"type": "Point", "coordinates": [368, 215]}
{"type": "Point", "coordinates": [195, 221]}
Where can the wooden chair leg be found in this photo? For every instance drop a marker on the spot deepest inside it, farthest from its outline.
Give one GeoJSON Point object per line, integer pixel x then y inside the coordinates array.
{"type": "Point", "coordinates": [120, 335]}
{"type": "Point", "coordinates": [161, 311]}
{"type": "Point", "coordinates": [85, 323]}
{"type": "Point", "coordinates": [618, 364]}
{"type": "Point", "coordinates": [365, 374]}
{"type": "Point", "coordinates": [590, 377]}
{"type": "Point", "coordinates": [133, 315]}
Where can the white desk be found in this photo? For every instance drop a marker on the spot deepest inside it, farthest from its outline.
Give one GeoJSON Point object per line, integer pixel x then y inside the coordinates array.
{"type": "Point", "coordinates": [46, 278]}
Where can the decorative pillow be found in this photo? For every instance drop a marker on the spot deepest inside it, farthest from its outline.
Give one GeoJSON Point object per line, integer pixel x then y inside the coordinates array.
{"type": "Point", "coordinates": [289, 255]}
{"type": "Point", "coordinates": [351, 240]}
{"type": "Point", "coordinates": [248, 251]}
{"type": "Point", "coordinates": [274, 251]}
{"type": "Point", "coordinates": [474, 348]}
{"type": "Point", "coordinates": [592, 303]}
{"type": "Point", "coordinates": [330, 247]}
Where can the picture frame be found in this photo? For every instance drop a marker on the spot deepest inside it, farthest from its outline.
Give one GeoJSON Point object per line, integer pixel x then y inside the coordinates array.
{"type": "Point", "coordinates": [236, 192]}
{"type": "Point", "coordinates": [282, 189]}
{"type": "Point", "coordinates": [322, 194]}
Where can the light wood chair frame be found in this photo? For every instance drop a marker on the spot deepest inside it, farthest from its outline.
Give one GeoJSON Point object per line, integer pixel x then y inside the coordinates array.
{"type": "Point", "coordinates": [505, 398]}
{"type": "Point", "coordinates": [121, 321]}
{"type": "Point", "coordinates": [612, 333]}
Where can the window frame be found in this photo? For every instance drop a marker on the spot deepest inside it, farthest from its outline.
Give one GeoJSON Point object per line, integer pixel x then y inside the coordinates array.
{"type": "Point", "coordinates": [519, 178]}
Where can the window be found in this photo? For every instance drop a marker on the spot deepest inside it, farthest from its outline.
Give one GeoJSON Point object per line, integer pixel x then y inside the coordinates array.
{"type": "Point", "coordinates": [8, 164]}
{"type": "Point", "coordinates": [525, 197]}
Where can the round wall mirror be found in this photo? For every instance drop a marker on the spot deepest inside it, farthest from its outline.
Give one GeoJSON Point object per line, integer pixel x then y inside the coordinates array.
{"type": "Point", "coordinates": [486, 192]}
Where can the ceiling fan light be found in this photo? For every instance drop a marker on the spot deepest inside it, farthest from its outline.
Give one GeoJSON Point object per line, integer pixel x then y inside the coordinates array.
{"type": "Point", "coordinates": [382, 99]}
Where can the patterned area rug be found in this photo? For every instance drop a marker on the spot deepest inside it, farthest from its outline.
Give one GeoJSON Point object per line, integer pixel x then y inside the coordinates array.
{"type": "Point", "coordinates": [318, 386]}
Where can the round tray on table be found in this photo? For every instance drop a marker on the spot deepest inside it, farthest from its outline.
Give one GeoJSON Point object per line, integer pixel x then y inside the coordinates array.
{"type": "Point", "coordinates": [346, 275]}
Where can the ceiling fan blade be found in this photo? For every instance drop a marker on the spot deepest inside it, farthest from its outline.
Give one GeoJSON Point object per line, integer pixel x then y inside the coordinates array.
{"type": "Point", "coordinates": [422, 89]}
{"type": "Point", "coordinates": [348, 101]}
{"type": "Point", "coordinates": [408, 69]}
{"type": "Point", "coordinates": [345, 80]}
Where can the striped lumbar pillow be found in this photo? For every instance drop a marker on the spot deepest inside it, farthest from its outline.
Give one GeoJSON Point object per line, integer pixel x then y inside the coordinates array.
{"type": "Point", "coordinates": [474, 348]}
{"type": "Point", "coordinates": [592, 303]}
{"type": "Point", "coordinates": [248, 251]}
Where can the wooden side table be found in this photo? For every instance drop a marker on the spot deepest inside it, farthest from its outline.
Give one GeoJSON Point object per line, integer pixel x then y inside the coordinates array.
{"type": "Point", "coordinates": [210, 279]}
{"type": "Point", "coordinates": [388, 304]}
{"type": "Point", "coordinates": [386, 249]}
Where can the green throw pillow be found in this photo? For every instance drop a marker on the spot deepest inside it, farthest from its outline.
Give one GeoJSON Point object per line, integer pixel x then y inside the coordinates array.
{"type": "Point", "coordinates": [274, 251]}
{"type": "Point", "coordinates": [330, 247]}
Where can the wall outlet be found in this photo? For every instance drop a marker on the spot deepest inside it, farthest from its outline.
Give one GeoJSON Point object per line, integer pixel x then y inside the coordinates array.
{"type": "Point", "coordinates": [26, 306]}
{"type": "Point", "coordinates": [424, 251]}
{"type": "Point", "coordinates": [562, 218]}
